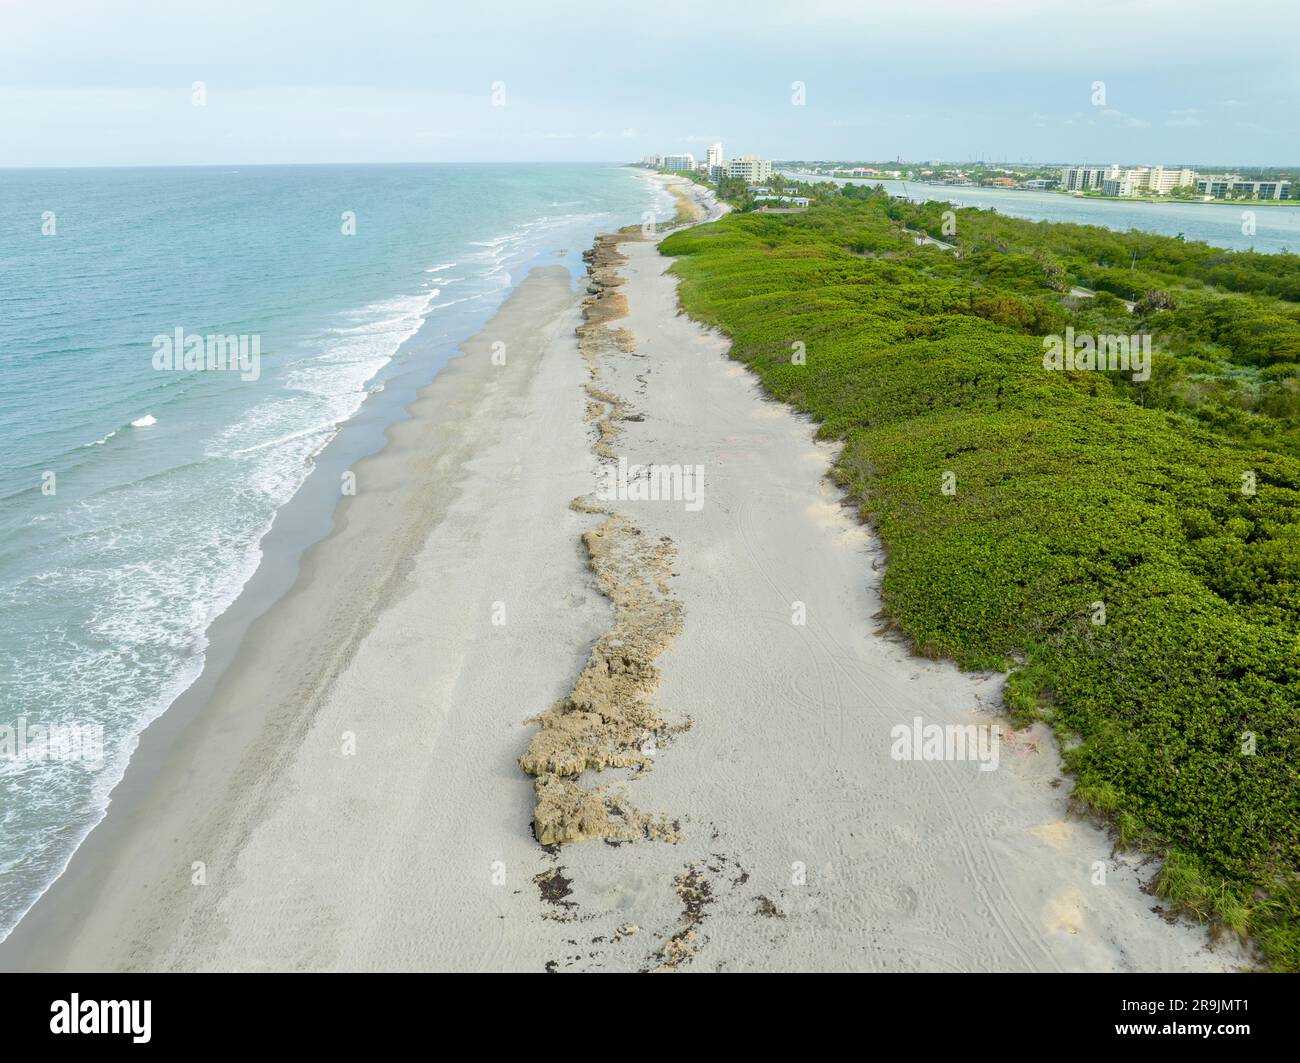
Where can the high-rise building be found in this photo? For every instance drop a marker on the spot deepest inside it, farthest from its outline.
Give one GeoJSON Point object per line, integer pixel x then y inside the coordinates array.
{"type": "Point", "coordinates": [1162, 181]}
{"type": "Point", "coordinates": [1126, 182]}
{"type": "Point", "coordinates": [1147, 180]}
{"type": "Point", "coordinates": [1114, 180]}
{"type": "Point", "coordinates": [714, 156]}
{"type": "Point", "coordinates": [1087, 178]}
{"type": "Point", "coordinates": [751, 168]}
{"type": "Point", "coordinates": [684, 161]}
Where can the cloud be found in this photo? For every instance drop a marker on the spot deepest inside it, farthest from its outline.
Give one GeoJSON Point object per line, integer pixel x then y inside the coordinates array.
{"type": "Point", "coordinates": [353, 91]}
{"type": "Point", "coordinates": [1127, 121]}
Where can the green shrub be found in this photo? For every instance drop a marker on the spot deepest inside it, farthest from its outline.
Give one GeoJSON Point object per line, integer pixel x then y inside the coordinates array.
{"type": "Point", "coordinates": [1072, 489]}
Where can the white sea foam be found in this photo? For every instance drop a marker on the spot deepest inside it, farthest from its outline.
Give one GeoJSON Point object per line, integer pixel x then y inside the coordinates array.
{"type": "Point", "coordinates": [158, 610]}
{"type": "Point", "coordinates": [474, 298]}
{"type": "Point", "coordinates": [101, 442]}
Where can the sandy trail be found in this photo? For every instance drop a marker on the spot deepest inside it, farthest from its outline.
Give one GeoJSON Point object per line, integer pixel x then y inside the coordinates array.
{"type": "Point", "coordinates": [353, 789]}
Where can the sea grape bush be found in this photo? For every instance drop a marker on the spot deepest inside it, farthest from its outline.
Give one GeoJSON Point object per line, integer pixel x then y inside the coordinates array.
{"type": "Point", "coordinates": [1076, 487]}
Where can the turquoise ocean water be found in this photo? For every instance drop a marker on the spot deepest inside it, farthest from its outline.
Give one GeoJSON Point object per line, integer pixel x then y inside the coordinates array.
{"type": "Point", "coordinates": [133, 499]}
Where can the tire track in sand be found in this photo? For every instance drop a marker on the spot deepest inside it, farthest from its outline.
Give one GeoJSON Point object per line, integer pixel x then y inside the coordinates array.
{"type": "Point", "coordinates": [829, 657]}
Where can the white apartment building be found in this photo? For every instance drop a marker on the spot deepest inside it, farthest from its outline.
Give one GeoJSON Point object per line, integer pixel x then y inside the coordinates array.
{"type": "Point", "coordinates": [1148, 180]}
{"type": "Point", "coordinates": [1086, 178]}
{"type": "Point", "coordinates": [1126, 182]}
{"type": "Point", "coordinates": [1162, 181]}
{"type": "Point", "coordinates": [751, 168]}
{"type": "Point", "coordinates": [1114, 180]}
{"type": "Point", "coordinates": [714, 157]}
{"type": "Point", "coordinates": [685, 161]}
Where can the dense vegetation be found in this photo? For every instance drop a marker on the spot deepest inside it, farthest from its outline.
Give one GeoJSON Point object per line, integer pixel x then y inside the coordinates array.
{"type": "Point", "coordinates": [1173, 502]}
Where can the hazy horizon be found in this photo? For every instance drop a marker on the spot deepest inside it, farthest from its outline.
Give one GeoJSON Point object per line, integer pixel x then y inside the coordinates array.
{"type": "Point", "coordinates": [114, 84]}
{"type": "Point", "coordinates": [933, 161]}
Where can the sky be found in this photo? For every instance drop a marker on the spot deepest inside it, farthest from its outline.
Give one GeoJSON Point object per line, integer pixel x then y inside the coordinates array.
{"type": "Point", "coordinates": [119, 83]}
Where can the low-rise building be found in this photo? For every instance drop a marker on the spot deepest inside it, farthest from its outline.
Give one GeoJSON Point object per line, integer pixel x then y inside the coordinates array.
{"type": "Point", "coordinates": [1231, 185]}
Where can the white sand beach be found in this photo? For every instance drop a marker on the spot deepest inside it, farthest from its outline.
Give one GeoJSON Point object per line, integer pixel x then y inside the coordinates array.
{"type": "Point", "coordinates": [351, 799]}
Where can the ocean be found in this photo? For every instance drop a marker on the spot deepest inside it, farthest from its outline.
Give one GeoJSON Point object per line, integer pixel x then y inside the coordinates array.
{"type": "Point", "coordinates": [137, 487]}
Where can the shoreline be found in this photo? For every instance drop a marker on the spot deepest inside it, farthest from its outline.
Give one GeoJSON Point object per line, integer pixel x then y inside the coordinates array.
{"type": "Point", "coordinates": [802, 844]}
{"type": "Point", "coordinates": [303, 521]}
{"type": "Point", "coordinates": [1059, 192]}
{"type": "Point", "coordinates": [1085, 197]}
{"type": "Point", "coordinates": [205, 749]}
{"type": "Point", "coordinates": [1162, 217]}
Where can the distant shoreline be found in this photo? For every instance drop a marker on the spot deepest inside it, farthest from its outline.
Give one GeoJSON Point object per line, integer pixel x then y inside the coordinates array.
{"type": "Point", "coordinates": [1069, 195]}
{"type": "Point", "coordinates": [1275, 232]}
